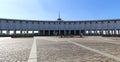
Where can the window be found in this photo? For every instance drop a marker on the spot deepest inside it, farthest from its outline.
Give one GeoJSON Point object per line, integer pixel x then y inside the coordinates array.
{"type": "Point", "coordinates": [74, 22]}
{"type": "Point", "coordinates": [38, 22]}
{"type": "Point", "coordinates": [13, 21]}
{"type": "Point", "coordinates": [59, 23]}
{"type": "Point", "coordinates": [79, 22]}
{"type": "Point", "coordinates": [6, 21]}
{"type": "Point", "coordinates": [102, 22]}
{"type": "Point", "coordinates": [32, 22]}
{"type": "Point", "coordinates": [43, 22]}
{"type": "Point", "coordinates": [54, 23]}
{"type": "Point", "coordinates": [64, 23]}
{"type": "Point", "coordinates": [48, 22]}
{"type": "Point", "coordinates": [90, 22]}
{"type": "Point", "coordinates": [26, 21]}
{"type": "Point", "coordinates": [20, 22]}
{"type": "Point", "coordinates": [69, 22]}
{"type": "Point", "coordinates": [96, 22]}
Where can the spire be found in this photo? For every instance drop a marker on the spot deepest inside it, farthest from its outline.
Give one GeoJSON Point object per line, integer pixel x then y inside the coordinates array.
{"type": "Point", "coordinates": [59, 14]}
{"type": "Point", "coordinates": [59, 17]}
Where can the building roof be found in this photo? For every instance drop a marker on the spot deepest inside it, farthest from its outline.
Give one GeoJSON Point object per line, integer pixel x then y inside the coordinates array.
{"type": "Point", "coordinates": [61, 20]}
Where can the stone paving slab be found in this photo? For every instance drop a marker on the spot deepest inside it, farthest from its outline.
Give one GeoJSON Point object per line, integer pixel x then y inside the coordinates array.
{"type": "Point", "coordinates": [54, 50]}
{"type": "Point", "coordinates": [108, 46]}
{"type": "Point", "coordinates": [15, 50]}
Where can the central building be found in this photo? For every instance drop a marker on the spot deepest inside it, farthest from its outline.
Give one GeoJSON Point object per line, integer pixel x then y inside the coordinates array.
{"type": "Point", "coordinates": [10, 27]}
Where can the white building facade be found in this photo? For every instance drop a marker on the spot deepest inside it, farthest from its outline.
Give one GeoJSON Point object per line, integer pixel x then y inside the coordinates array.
{"type": "Point", "coordinates": [58, 27]}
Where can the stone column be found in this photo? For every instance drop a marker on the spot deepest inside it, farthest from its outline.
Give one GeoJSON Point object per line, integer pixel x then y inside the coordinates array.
{"type": "Point", "coordinates": [53, 32]}
{"type": "Point", "coordinates": [80, 32]}
{"type": "Point", "coordinates": [32, 32]}
{"type": "Point", "coordinates": [90, 32]}
{"type": "Point", "coordinates": [14, 32]}
{"type": "Point", "coordinates": [108, 32]}
{"type": "Point", "coordinates": [7, 32]}
{"type": "Point", "coordinates": [102, 32]}
{"type": "Point", "coordinates": [0, 32]}
{"type": "Point", "coordinates": [112, 32]}
{"type": "Point", "coordinates": [43, 32]}
{"type": "Point", "coordinates": [97, 32]}
{"type": "Point", "coordinates": [59, 32]}
{"type": "Point", "coordinates": [69, 32]}
{"type": "Point", "coordinates": [64, 32]}
{"type": "Point", "coordinates": [38, 32]}
{"type": "Point", "coordinates": [27, 32]}
{"type": "Point", "coordinates": [94, 32]}
{"type": "Point", "coordinates": [105, 32]}
{"type": "Point", "coordinates": [20, 32]}
{"type": "Point", "coordinates": [74, 32]}
{"type": "Point", "coordinates": [118, 32]}
{"type": "Point", "coordinates": [48, 32]}
{"type": "Point", "coordinates": [115, 33]}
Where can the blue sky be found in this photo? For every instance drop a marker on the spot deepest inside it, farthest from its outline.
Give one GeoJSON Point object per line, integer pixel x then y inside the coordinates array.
{"type": "Point", "coordinates": [70, 9]}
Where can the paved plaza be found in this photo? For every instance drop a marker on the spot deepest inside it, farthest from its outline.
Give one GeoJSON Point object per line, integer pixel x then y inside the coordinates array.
{"type": "Point", "coordinates": [56, 49]}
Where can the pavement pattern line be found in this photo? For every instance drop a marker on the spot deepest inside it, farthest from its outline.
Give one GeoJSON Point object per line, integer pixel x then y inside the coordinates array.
{"type": "Point", "coordinates": [96, 51]}
{"type": "Point", "coordinates": [112, 42]}
{"type": "Point", "coordinates": [117, 43]}
{"type": "Point", "coordinates": [33, 53]}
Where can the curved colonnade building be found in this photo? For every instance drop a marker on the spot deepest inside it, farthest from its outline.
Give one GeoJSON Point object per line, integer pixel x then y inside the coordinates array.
{"type": "Point", "coordinates": [49, 28]}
